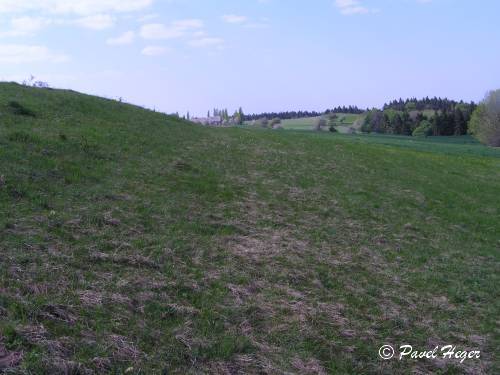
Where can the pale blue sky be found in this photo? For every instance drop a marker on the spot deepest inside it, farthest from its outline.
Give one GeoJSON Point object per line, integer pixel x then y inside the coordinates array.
{"type": "Point", "coordinates": [264, 55]}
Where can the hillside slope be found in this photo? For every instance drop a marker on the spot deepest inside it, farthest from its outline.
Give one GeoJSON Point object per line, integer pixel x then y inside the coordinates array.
{"type": "Point", "coordinates": [132, 241]}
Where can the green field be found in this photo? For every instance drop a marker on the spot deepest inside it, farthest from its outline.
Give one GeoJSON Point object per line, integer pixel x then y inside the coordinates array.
{"type": "Point", "coordinates": [299, 124]}
{"type": "Point", "coordinates": [344, 121]}
{"type": "Point", "coordinates": [133, 242]}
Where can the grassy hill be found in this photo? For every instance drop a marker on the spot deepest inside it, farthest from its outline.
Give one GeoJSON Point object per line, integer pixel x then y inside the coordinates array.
{"type": "Point", "coordinates": [135, 242]}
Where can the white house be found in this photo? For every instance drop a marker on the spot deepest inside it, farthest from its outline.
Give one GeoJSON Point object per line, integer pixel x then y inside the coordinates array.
{"type": "Point", "coordinates": [211, 121]}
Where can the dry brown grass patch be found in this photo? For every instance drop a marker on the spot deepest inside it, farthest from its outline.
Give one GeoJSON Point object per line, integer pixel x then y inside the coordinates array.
{"type": "Point", "coordinates": [60, 313]}
{"type": "Point", "coordinates": [90, 298]}
{"type": "Point", "coordinates": [182, 310]}
{"type": "Point", "coordinates": [9, 359]}
{"type": "Point", "coordinates": [133, 260]}
{"type": "Point", "coordinates": [124, 349]}
{"type": "Point", "coordinates": [310, 366]}
{"type": "Point", "coordinates": [266, 245]}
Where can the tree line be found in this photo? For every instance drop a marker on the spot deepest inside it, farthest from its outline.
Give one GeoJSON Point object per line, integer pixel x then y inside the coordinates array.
{"type": "Point", "coordinates": [352, 110]}
{"type": "Point", "coordinates": [287, 115]}
{"type": "Point", "coordinates": [412, 104]}
{"type": "Point", "coordinates": [425, 117]}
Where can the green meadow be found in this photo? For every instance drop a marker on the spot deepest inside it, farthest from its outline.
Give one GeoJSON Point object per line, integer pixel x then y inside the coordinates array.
{"type": "Point", "coordinates": [343, 122]}
{"type": "Point", "coordinates": [134, 242]}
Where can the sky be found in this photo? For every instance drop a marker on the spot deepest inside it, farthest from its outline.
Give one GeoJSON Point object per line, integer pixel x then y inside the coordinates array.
{"type": "Point", "coordinates": [262, 55]}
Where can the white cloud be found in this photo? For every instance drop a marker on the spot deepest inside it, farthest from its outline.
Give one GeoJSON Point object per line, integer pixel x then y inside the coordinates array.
{"type": "Point", "coordinates": [74, 7]}
{"type": "Point", "coordinates": [121, 40]}
{"type": "Point", "coordinates": [190, 29]}
{"type": "Point", "coordinates": [152, 51]}
{"type": "Point", "coordinates": [207, 42]}
{"type": "Point", "coordinates": [199, 34]}
{"type": "Point", "coordinates": [91, 14]}
{"type": "Point", "coordinates": [96, 22]}
{"type": "Point", "coordinates": [19, 53]}
{"type": "Point", "coordinates": [188, 24]}
{"type": "Point", "coordinates": [244, 21]}
{"type": "Point", "coordinates": [160, 31]}
{"type": "Point", "coordinates": [177, 29]}
{"type": "Point", "coordinates": [233, 18]}
{"type": "Point", "coordinates": [148, 17]}
{"type": "Point", "coordinates": [26, 26]}
{"type": "Point", "coordinates": [350, 7]}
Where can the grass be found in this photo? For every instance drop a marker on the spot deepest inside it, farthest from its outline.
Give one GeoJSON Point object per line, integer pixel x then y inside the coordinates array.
{"type": "Point", "coordinates": [462, 145]}
{"type": "Point", "coordinates": [344, 121]}
{"type": "Point", "coordinates": [299, 124]}
{"type": "Point", "coordinates": [135, 242]}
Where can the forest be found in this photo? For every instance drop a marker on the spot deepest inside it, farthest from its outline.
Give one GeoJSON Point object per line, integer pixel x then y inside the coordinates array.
{"type": "Point", "coordinates": [424, 117]}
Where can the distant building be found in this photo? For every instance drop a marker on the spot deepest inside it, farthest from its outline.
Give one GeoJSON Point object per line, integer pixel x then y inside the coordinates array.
{"type": "Point", "coordinates": [210, 121]}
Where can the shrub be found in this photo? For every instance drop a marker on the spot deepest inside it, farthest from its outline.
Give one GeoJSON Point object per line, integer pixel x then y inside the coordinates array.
{"type": "Point", "coordinates": [366, 127]}
{"type": "Point", "coordinates": [332, 129]}
{"type": "Point", "coordinates": [19, 109]}
{"type": "Point", "coordinates": [319, 123]}
{"type": "Point", "coordinates": [358, 124]}
{"type": "Point", "coordinates": [485, 121]}
{"type": "Point", "coordinates": [423, 130]}
{"type": "Point", "coordinates": [263, 122]}
{"type": "Point", "coordinates": [275, 121]}
{"type": "Point", "coordinates": [332, 120]}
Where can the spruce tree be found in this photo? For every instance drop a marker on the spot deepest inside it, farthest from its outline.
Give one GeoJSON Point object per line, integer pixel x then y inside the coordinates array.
{"type": "Point", "coordinates": [240, 116]}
